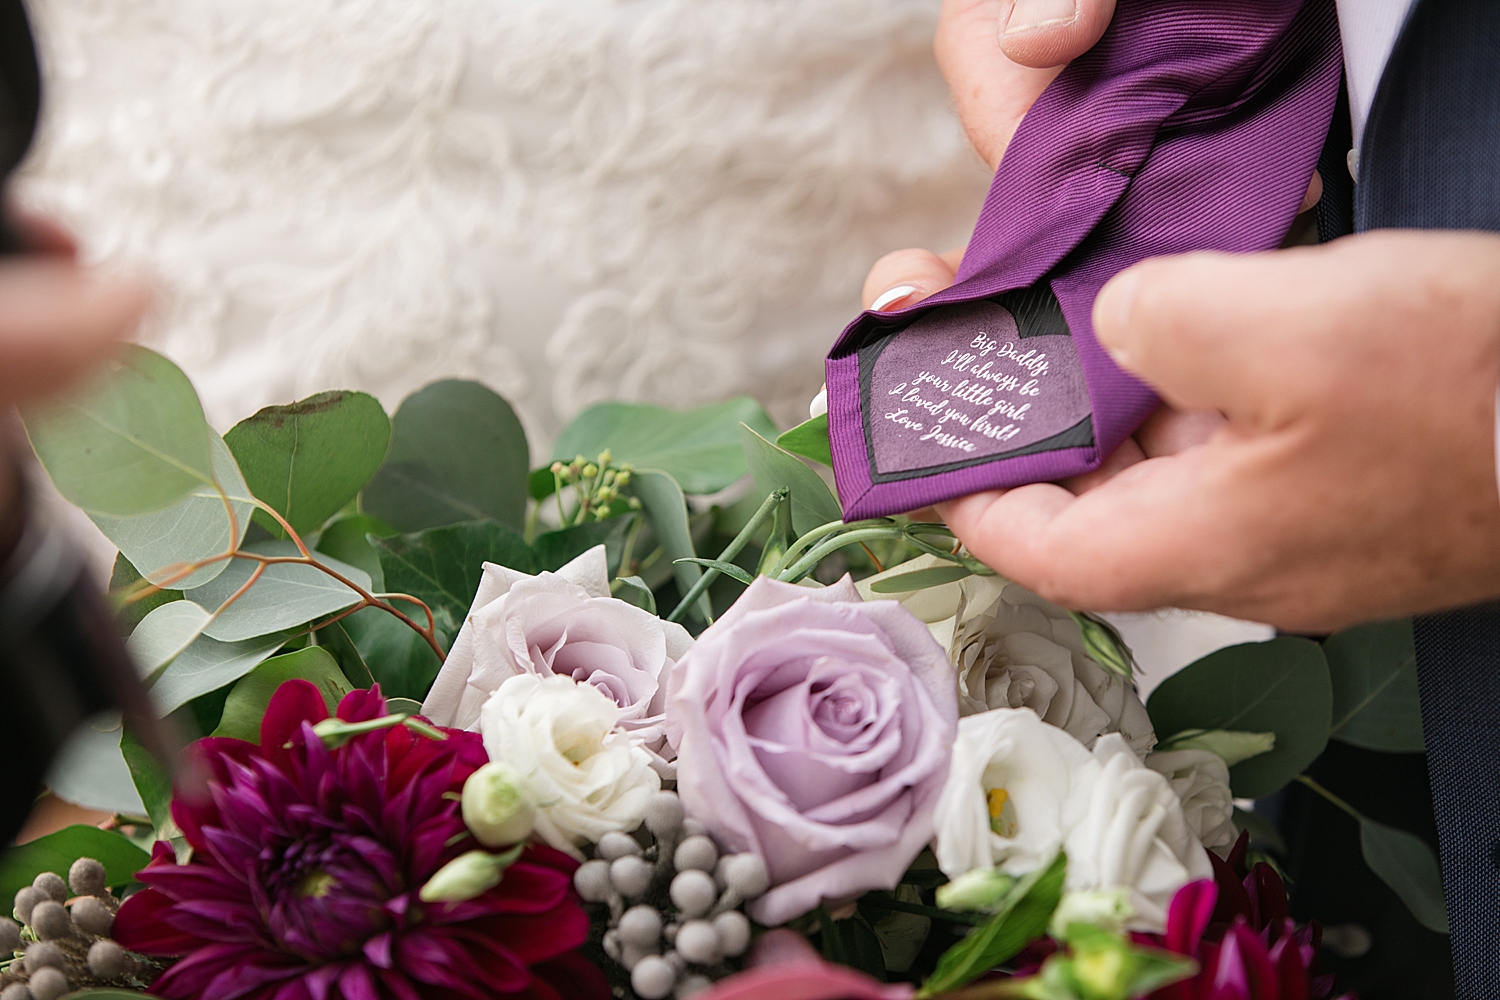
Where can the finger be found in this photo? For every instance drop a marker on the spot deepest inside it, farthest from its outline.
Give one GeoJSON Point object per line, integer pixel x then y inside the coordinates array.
{"type": "Point", "coordinates": [41, 234]}
{"type": "Point", "coordinates": [1041, 33]}
{"type": "Point", "coordinates": [1123, 458]}
{"type": "Point", "coordinates": [1169, 431]}
{"type": "Point", "coordinates": [905, 276]}
{"type": "Point", "coordinates": [1314, 193]}
{"type": "Point", "coordinates": [57, 321]}
{"type": "Point", "coordinates": [990, 91]}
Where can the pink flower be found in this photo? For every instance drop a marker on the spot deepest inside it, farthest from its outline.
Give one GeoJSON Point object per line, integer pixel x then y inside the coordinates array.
{"type": "Point", "coordinates": [306, 868]}
{"type": "Point", "coordinates": [814, 730]}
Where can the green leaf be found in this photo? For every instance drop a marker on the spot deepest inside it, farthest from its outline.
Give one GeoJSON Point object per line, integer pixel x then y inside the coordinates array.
{"type": "Point", "coordinates": [1374, 673]}
{"type": "Point", "coordinates": [399, 659]}
{"type": "Point", "coordinates": [123, 577]}
{"type": "Point", "coordinates": [1021, 919]}
{"type": "Point", "coordinates": [1280, 686]}
{"type": "Point", "coordinates": [56, 852]}
{"type": "Point", "coordinates": [729, 569]}
{"type": "Point", "coordinates": [921, 579]}
{"type": "Point", "coordinates": [132, 439]}
{"type": "Point", "coordinates": [207, 665]}
{"type": "Point", "coordinates": [340, 645]}
{"type": "Point", "coordinates": [809, 439]}
{"type": "Point", "coordinates": [163, 634]}
{"type": "Point", "coordinates": [774, 468]}
{"type": "Point", "coordinates": [399, 706]}
{"type": "Point", "coordinates": [633, 590]}
{"type": "Point", "coordinates": [443, 566]}
{"type": "Point", "coordinates": [1233, 747]}
{"type": "Point", "coordinates": [153, 782]}
{"type": "Point", "coordinates": [541, 484]}
{"type": "Point", "coordinates": [458, 453]}
{"type": "Point", "coordinates": [194, 528]}
{"type": "Point", "coordinates": [1405, 863]}
{"type": "Point", "coordinates": [286, 595]}
{"type": "Point", "coordinates": [1105, 646]}
{"type": "Point", "coordinates": [247, 703]}
{"type": "Point", "coordinates": [555, 549]}
{"type": "Point", "coordinates": [89, 771]}
{"type": "Point", "coordinates": [667, 508]}
{"type": "Point", "coordinates": [307, 460]}
{"type": "Point", "coordinates": [1262, 830]}
{"type": "Point", "coordinates": [698, 448]}
{"type": "Point", "coordinates": [345, 540]}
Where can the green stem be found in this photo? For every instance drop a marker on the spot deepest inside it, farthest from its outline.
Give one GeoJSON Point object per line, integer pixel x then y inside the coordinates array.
{"type": "Point", "coordinates": [1346, 807]}
{"type": "Point", "coordinates": [629, 550]}
{"type": "Point", "coordinates": [813, 536]}
{"type": "Point", "coordinates": [823, 550]}
{"type": "Point", "coordinates": [730, 551]}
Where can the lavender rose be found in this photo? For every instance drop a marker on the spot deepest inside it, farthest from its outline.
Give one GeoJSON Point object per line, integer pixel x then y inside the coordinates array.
{"type": "Point", "coordinates": [565, 624]}
{"type": "Point", "coordinates": [814, 730]}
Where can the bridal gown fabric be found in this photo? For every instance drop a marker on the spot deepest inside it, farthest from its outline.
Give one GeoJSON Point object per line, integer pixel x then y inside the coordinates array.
{"type": "Point", "coordinates": [668, 201]}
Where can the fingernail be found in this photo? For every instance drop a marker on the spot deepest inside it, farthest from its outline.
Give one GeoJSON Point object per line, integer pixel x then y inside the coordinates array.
{"type": "Point", "coordinates": [1112, 313]}
{"type": "Point", "coordinates": [891, 296]}
{"type": "Point", "coordinates": [819, 404]}
{"type": "Point", "coordinates": [1029, 15]}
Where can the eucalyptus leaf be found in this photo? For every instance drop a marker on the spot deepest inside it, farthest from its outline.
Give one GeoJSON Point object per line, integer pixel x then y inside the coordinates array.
{"type": "Point", "coordinates": [809, 439]}
{"type": "Point", "coordinates": [194, 528]}
{"type": "Point", "coordinates": [458, 453]}
{"type": "Point", "coordinates": [208, 665]}
{"type": "Point", "coordinates": [774, 468]}
{"type": "Point", "coordinates": [667, 508]}
{"type": "Point", "coordinates": [56, 852]}
{"type": "Point", "coordinates": [248, 701]}
{"type": "Point", "coordinates": [1280, 686]}
{"type": "Point", "coordinates": [633, 590]}
{"type": "Point", "coordinates": [443, 566]}
{"type": "Point", "coordinates": [89, 770]}
{"type": "Point", "coordinates": [310, 458]}
{"type": "Point", "coordinates": [1374, 673]}
{"type": "Point", "coordinates": [163, 634]}
{"type": "Point", "coordinates": [921, 579]}
{"type": "Point", "coordinates": [347, 541]}
{"type": "Point", "coordinates": [1233, 747]}
{"type": "Point", "coordinates": [1022, 918]}
{"type": "Point", "coordinates": [555, 549]}
{"type": "Point", "coordinates": [1406, 864]}
{"type": "Point", "coordinates": [122, 579]}
{"type": "Point", "coordinates": [130, 440]}
{"type": "Point", "coordinates": [286, 595]}
{"type": "Point", "coordinates": [699, 448]}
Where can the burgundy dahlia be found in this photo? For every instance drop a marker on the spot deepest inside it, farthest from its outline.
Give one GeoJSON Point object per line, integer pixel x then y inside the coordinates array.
{"type": "Point", "coordinates": [306, 868]}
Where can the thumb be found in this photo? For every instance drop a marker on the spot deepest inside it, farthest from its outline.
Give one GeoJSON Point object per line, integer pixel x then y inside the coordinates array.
{"type": "Point", "coordinates": [1045, 33]}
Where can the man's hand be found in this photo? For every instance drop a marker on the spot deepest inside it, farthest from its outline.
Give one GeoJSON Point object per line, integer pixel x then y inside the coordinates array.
{"type": "Point", "coordinates": [1355, 476]}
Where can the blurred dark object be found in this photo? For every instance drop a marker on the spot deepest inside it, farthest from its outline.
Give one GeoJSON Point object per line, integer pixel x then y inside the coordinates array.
{"type": "Point", "coordinates": [20, 102]}
{"type": "Point", "coordinates": [1372, 943]}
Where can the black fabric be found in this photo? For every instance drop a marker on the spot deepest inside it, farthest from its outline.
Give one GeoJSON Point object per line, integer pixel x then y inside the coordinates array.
{"type": "Point", "coordinates": [20, 101]}
{"type": "Point", "coordinates": [1430, 159]}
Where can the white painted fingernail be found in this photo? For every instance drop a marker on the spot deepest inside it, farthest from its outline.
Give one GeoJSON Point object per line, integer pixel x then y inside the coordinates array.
{"type": "Point", "coordinates": [891, 296]}
{"type": "Point", "coordinates": [1029, 15]}
{"type": "Point", "coordinates": [819, 404]}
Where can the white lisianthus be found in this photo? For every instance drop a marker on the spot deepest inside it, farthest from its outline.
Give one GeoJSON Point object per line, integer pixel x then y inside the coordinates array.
{"type": "Point", "coordinates": [1013, 649]}
{"type": "Point", "coordinates": [585, 774]}
{"type": "Point", "coordinates": [560, 624]}
{"type": "Point", "coordinates": [1201, 780]}
{"type": "Point", "coordinates": [1020, 790]}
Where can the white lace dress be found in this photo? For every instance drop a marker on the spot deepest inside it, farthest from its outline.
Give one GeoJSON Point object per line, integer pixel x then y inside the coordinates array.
{"type": "Point", "coordinates": [570, 200]}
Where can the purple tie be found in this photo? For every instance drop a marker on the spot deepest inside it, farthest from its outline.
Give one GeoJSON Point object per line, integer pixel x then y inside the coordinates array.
{"type": "Point", "coordinates": [1192, 125]}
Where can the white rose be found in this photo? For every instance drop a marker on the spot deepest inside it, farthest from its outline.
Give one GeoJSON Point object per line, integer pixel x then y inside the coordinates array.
{"type": "Point", "coordinates": [1013, 649]}
{"type": "Point", "coordinates": [564, 623]}
{"type": "Point", "coordinates": [1020, 790]}
{"type": "Point", "coordinates": [1134, 836]}
{"type": "Point", "coordinates": [586, 775]}
{"type": "Point", "coordinates": [1201, 780]}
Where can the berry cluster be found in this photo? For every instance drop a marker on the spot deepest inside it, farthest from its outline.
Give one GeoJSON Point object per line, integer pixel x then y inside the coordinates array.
{"type": "Point", "coordinates": [675, 892]}
{"type": "Point", "coordinates": [64, 944]}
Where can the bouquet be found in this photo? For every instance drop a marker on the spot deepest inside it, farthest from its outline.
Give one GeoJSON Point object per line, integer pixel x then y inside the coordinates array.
{"type": "Point", "coordinates": [647, 720]}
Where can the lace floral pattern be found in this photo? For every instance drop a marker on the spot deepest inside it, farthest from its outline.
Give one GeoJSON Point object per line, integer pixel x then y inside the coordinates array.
{"type": "Point", "coordinates": [664, 200]}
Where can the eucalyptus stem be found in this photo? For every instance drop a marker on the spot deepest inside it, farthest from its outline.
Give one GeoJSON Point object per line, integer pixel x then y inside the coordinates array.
{"type": "Point", "coordinates": [730, 551]}
{"type": "Point", "coordinates": [807, 563]}
{"type": "Point", "coordinates": [817, 534]}
{"type": "Point", "coordinates": [1340, 803]}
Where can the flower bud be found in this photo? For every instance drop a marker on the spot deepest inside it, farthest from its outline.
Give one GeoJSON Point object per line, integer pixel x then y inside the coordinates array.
{"type": "Point", "coordinates": [652, 978]}
{"type": "Point", "coordinates": [1103, 973]}
{"type": "Point", "coordinates": [976, 890]}
{"type": "Point", "coordinates": [1106, 909]}
{"type": "Point", "coordinates": [51, 921]}
{"type": "Point", "coordinates": [52, 884]}
{"type": "Point", "coordinates": [497, 805]}
{"type": "Point", "coordinates": [93, 917]}
{"type": "Point", "coordinates": [605, 457]}
{"type": "Point", "coordinates": [592, 881]}
{"type": "Point", "coordinates": [26, 900]}
{"type": "Point", "coordinates": [698, 942]}
{"type": "Point", "coordinates": [47, 984]}
{"type": "Point", "coordinates": [106, 959]}
{"type": "Point", "coordinates": [10, 937]}
{"type": "Point", "coordinates": [87, 877]}
{"type": "Point", "coordinates": [590, 471]}
{"type": "Point", "coordinates": [43, 955]}
{"type": "Point", "coordinates": [466, 876]}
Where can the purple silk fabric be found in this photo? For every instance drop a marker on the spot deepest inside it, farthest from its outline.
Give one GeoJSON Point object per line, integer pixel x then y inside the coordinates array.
{"type": "Point", "coordinates": [1192, 125]}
